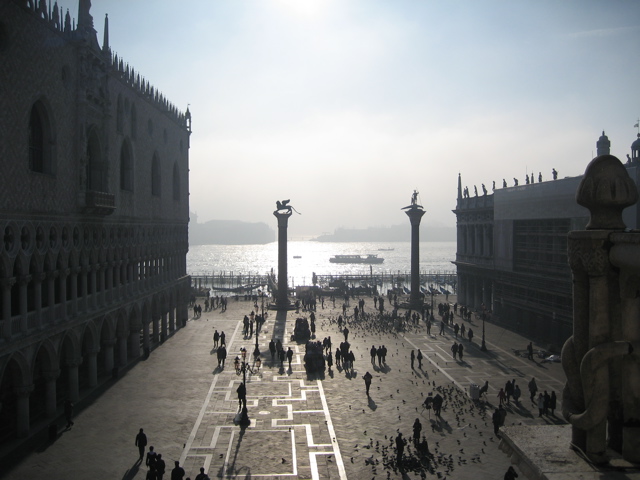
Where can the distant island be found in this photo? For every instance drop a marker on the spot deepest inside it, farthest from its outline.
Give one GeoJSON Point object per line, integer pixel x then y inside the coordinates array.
{"type": "Point", "coordinates": [395, 233]}
{"type": "Point", "coordinates": [229, 232]}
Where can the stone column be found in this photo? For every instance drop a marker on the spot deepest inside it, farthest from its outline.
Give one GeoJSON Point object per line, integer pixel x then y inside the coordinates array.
{"type": "Point", "coordinates": [22, 407]}
{"type": "Point", "coordinates": [37, 295]}
{"type": "Point", "coordinates": [594, 354]}
{"type": "Point", "coordinates": [109, 286]}
{"type": "Point", "coordinates": [92, 367]}
{"type": "Point", "coordinates": [74, 291]}
{"type": "Point", "coordinates": [74, 385]}
{"type": "Point", "coordinates": [23, 282]}
{"type": "Point", "coordinates": [50, 392]}
{"type": "Point", "coordinates": [134, 344]}
{"type": "Point", "coordinates": [155, 336]}
{"type": "Point", "coordinates": [122, 350]}
{"type": "Point", "coordinates": [146, 344]}
{"type": "Point", "coordinates": [108, 356]}
{"type": "Point", "coordinates": [415, 213]}
{"type": "Point", "coordinates": [282, 300]}
{"type": "Point", "coordinates": [64, 273]}
{"type": "Point", "coordinates": [163, 331]}
{"type": "Point", "coordinates": [51, 293]}
{"type": "Point", "coordinates": [7, 283]}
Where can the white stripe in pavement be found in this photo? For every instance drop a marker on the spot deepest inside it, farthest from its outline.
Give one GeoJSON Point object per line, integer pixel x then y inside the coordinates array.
{"type": "Point", "coordinates": [203, 410]}
{"type": "Point", "coordinates": [332, 434]}
{"type": "Point", "coordinates": [437, 366]}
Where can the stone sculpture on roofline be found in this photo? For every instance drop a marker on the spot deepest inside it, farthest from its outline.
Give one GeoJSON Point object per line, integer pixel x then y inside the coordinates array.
{"type": "Point", "coordinates": [601, 398]}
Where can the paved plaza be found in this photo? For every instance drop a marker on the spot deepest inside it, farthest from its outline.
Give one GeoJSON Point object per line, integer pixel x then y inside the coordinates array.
{"type": "Point", "coordinates": [301, 426]}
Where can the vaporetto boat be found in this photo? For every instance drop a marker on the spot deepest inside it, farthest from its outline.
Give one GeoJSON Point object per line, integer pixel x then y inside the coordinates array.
{"type": "Point", "coordinates": [368, 259]}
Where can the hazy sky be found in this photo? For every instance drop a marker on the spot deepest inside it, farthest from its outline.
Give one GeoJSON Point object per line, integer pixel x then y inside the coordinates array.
{"type": "Point", "coordinates": [347, 106]}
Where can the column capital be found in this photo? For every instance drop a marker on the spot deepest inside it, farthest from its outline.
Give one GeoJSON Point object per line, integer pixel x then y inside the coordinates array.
{"type": "Point", "coordinates": [8, 282]}
{"type": "Point", "coordinates": [24, 279]}
{"type": "Point", "coordinates": [23, 390]}
{"type": "Point", "coordinates": [51, 375]}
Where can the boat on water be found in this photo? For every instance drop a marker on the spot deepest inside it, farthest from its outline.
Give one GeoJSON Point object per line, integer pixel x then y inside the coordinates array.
{"type": "Point", "coordinates": [386, 249]}
{"type": "Point", "coordinates": [297, 256]}
{"type": "Point", "coordinates": [368, 259]}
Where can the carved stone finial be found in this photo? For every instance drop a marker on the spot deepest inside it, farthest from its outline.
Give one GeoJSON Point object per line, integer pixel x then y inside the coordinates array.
{"type": "Point", "coordinates": [606, 190]}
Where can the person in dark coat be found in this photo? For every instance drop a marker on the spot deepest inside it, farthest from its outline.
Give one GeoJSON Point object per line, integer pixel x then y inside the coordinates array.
{"type": "Point", "coordinates": [399, 448]}
{"type": "Point", "coordinates": [141, 443]}
{"type": "Point", "coordinates": [178, 472]}
{"type": "Point", "coordinates": [510, 474]}
{"type": "Point", "coordinates": [272, 349]}
{"type": "Point", "coordinates": [242, 396]}
{"type": "Point", "coordinates": [495, 419]}
{"type": "Point", "coordinates": [160, 467]}
{"type": "Point", "coordinates": [367, 381]}
{"type": "Point", "coordinates": [417, 428]}
{"type": "Point", "coordinates": [68, 412]}
{"type": "Point", "coordinates": [437, 404]}
{"type": "Point", "coordinates": [419, 357]}
{"type": "Point", "coordinates": [552, 403]}
{"type": "Point", "coordinates": [289, 356]}
{"type": "Point", "coordinates": [413, 358]}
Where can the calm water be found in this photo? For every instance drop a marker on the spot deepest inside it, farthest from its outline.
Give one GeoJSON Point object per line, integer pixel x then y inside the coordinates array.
{"type": "Point", "coordinates": [435, 257]}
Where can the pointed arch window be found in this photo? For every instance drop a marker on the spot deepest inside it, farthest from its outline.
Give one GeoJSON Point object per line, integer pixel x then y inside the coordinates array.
{"type": "Point", "coordinates": [134, 121]}
{"type": "Point", "coordinates": [40, 141]}
{"type": "Point", "coordinates": [126, 167]}
{"type": "Point", "coordinates": [96, 166]}
{"type": "Point", "coordinates": [155, 176]}
{"type": "Point", "coordinates": [176, 182]}
{"type": "Point", "coordinates": [120, 115]}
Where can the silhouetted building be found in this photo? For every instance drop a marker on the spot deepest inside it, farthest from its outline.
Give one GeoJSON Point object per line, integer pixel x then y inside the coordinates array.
{"type": "Point", "coordinates": [511, 253]}
{"type": "Point", "coordinates": [93, 214]}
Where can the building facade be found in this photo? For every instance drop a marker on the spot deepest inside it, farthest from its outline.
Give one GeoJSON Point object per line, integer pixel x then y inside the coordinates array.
{"type": "Point", "coordinates": [94, 213]}
{"type": "Point", "coordinates": [511, 254]}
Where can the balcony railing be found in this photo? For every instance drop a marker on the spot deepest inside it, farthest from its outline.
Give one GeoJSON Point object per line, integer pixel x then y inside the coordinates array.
{"type": "Point", "coordinates": [98, 203]}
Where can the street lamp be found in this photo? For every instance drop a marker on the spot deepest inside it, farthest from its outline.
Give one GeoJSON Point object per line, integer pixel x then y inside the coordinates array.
{"type": "Point", "coordinates": [241, 368]}
{"type": "Point", "coordinates": [484, 346]}
{"type": "Point", "coordinates": [256, 351]}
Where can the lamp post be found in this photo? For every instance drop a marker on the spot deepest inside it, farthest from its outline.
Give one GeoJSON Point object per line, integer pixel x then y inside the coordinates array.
{"type": "Point", "coordinates": [483, 347]}
{"type": "Point", "coordinates": [256, 351]}
{"type": "Point", "coordinates": [242, 369]}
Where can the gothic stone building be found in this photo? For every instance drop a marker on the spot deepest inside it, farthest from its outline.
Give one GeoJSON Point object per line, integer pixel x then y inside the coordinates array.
{"type": "Point", "coordinates": [511, 255]}
{"type": "Point", "coordinates": [93, 214]}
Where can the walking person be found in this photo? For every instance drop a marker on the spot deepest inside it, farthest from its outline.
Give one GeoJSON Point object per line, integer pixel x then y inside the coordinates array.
{"type": "Point", "coordinates": [454, 350]}
{"type": "Point", "coordinates": [502, 396]}
{"type": "Point", "coordinates": [289, 356]}
{"type": "Point", "coordinates": [141, 443]}
{"type": "Point", "coordinates": [373, 352]}
{"type": "Point", "coordinates": [413, 359]}
{"type": "Point", "coordinates": [533, 388]}
{"type": "Point", "coordinates": [68, 412]}
{"type": "Point", "coordinates": [151, 458]}
{"type": "Point", "coordinates": [242, 396]}
{"type": "Point", "coordinates": [420, 357]}
{"type": "Point", "coordinates": [178, 472]}
{"type": "Point", "coordinates": [552, 403]}
{"type": "Point", "coordinates": [216, 339]}
{"type": "Point", "coordinates": [417, 428]}
{"type": "Point", "coordinates": [399, 449]}
{"type": "Point", "coordinates": [367, 381]}
{"type": "Point", "coordinates": [460, 350]}
{"type": "Point", "coordinates": [530, 351]}
{"type": "Point", "coordinates": [160, 467]}
{"type": "Point", "coordinates": [272, 349]}
{"type": "Point", "coordinates": [540, 404]}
